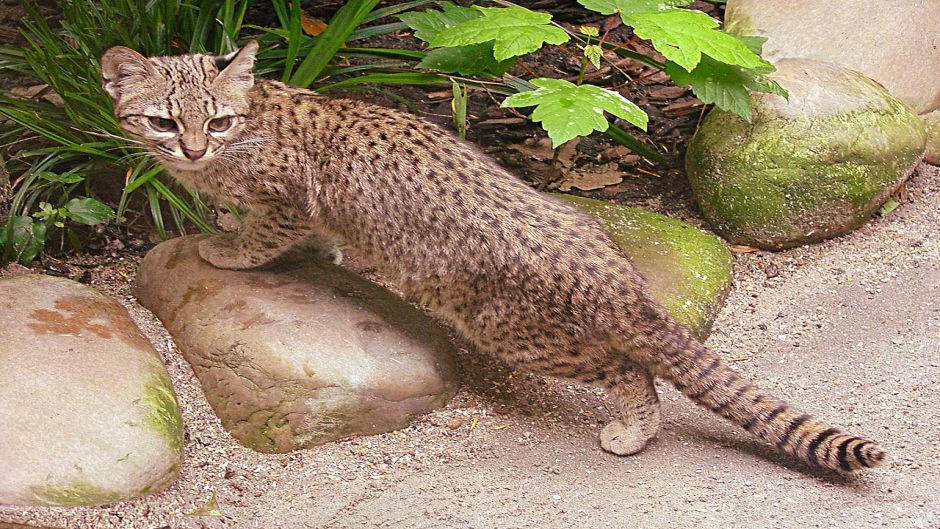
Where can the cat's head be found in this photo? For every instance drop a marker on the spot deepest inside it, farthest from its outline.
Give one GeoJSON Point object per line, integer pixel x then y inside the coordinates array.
{"type": "Point", "coordinates": [185, 109]}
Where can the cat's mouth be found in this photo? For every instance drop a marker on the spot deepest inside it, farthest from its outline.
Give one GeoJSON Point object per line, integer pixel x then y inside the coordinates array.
{"type": "Point", "coordinates": [177, 160]}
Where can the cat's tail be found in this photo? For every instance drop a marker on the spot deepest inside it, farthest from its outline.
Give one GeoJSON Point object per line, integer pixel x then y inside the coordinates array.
{"type": "Point", "coordinates": [673, 354]}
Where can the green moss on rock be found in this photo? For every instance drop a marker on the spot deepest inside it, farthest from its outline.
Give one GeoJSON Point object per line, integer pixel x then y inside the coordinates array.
{"type": "Point", "coordinates": [78, 492]}
{"type": "Point", "coordinates": [688, 270]}
{"type": "Point", "coordinates": [806, 169]}
{"type": "Point", "coordinates": [164, 415]}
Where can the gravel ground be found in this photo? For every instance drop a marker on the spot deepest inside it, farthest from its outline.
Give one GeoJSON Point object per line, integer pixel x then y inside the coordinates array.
{"type": "Point", "coordinates": [848, 328]}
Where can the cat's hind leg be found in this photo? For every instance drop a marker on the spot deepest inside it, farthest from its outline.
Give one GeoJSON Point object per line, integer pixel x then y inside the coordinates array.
{"type": "Point", "coordinates": [628, 384]}
{"type": "Point", "coordinates": [638, 408]}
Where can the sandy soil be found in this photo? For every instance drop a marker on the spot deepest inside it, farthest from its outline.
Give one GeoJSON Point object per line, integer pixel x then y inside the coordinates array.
{"type": "Point", "coordinates": [849, 329]}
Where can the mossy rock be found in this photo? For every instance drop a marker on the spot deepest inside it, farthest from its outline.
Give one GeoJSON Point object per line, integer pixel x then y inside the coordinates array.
{"type": "Point", "coordinates": [89, 413]}
{"type": "Point", "coordinates": [688, 270]}
{"type": "Point", "coordinates": [297, 355]}
{"type": "Point", "coordinates": [808, 168]}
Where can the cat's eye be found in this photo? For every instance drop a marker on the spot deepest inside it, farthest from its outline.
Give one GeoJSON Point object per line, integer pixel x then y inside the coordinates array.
{"type": "Point", "coordinates": [220, 124]}
{"type": "Point", "coordinates": [162, 124]}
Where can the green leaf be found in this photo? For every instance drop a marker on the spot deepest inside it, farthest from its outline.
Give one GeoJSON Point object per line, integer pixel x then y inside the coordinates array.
{"type": "Point", "coordinates": [64, 178]}
{"type": "Point", "coordinates": [466, 60]}
{"type": "Point", "coordinates": [724, 85]}
{"type": "Point", "coordinates": [26, 238]}
{"type": "Point", "coordinates": [627, 8]}
{"type": "Point", "coordinates": [590, 31]}
{"type": "Point", "coordinates": [428, 24]}
{"type": "Point", "coordinates": [593, 53]}
{"type": "Point", "coordinates": [682, 36]}
{"type": "Point", "coordinates": [515, 30]}
{"type": "Point", "coordinates": [88, 211]}
{"type": "Point", "coordinates": [567, 111]}
{"type": "Point", "coordinates": [459, 108]}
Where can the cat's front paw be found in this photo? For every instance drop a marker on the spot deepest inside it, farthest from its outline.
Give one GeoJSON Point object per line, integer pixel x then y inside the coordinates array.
{"type": "Point", "coordinates": [221, 251]}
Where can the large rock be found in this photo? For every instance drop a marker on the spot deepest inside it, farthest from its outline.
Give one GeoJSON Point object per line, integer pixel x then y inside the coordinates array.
{"type": "Point", "coordinates": [813, 167]}
{"type": "Point", "coordinates": [932, 123]}
{"type": "Point", "coordinates": [895, 43]}
{"type": "Point", "coordinates": [87, 413]}
{"type": "Point", "coordinates": [301, 355]}
{"type": "Point", "coordinates": [688, 270]}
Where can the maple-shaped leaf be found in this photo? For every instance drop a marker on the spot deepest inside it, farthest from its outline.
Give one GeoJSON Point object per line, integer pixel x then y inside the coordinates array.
{"type": "Point", "coordinates": [428, 24]}
{"type": "Point", "coordinates": [627, 8]}
{"type": "Point", "coordinates": [464, 60]}
{"type": "Point", "coordinates": [567, 110]}
{"type": "Point", "coordinates": [726, 85]}
{"type": "Point", "coordinates": [682, 36]}
{"type": "Point", "coordinates": [514, 31]}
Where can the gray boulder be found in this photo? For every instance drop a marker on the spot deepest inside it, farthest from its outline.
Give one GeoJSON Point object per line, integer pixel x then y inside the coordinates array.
{"type": "Point", "coordinates": [932, 123]}
{"type": "Point", "coordinates": [301, 355]}
{"type": "Point", "coordinates": [87, 412]}
{"type": "Point", "coordinates": [895, 43]}
{"type": "Point", "coordinates": [808, 168]}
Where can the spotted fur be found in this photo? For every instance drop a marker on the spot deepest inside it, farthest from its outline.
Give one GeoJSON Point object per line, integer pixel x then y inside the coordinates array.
{"type": "Point", "coordinates": [521, 275]}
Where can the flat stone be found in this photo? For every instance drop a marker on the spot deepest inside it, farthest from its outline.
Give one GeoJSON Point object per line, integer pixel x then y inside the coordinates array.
{"type": "Point", "coordinates": [895, 43]}
{"type": "Point", "coordinates": [808, 168]}
{"type": "Point", "coordinates": [687, 269]}
{"type": "Point", "coordinates": [300, 355]}
{"type": "Point", "coordinates": [87, 412]}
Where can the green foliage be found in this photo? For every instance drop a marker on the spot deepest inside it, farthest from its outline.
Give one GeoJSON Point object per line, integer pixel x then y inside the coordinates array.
{"type": "Point", "coordinates": [473, 59]}
{"type": "Point", "coordinates": [70, 131]}
{"type": "Point", "coordinates": [514, 31]}
{"type": "Point", "coordinates": [567, 110]}
{"type": "Point", "coordinates": [628, 8]}
{"type": "Point", "coordinates": [726, 85]}
{"type": "Point", "coordinates": [338, 31]}
{"type": "Point", "coordinates": [682, 36]}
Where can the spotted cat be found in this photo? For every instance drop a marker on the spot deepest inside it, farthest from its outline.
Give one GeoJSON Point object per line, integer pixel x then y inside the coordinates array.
{"type": "Point", "coordinates": [519, 274]}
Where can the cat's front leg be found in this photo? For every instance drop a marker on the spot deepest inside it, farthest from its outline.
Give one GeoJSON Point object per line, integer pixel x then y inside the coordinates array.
{"type": "Point", "coordinates": [267, 234]}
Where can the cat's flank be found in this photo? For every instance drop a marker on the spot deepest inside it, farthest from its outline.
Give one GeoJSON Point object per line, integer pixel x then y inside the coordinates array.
{"type": "Point", "coordinates": [520, 275]}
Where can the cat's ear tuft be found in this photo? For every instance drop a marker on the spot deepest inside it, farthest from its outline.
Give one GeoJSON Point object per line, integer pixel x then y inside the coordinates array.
{"type": "Point", "coordinates": [124, 69]}
{"type": "Point", "coordinates": [236, 68]}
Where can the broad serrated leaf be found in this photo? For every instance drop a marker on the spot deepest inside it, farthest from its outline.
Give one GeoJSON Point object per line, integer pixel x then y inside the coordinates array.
{"type": "Point", "coordinates": [567, 111]}
{"type": "Point", "coordinates": [88, 211]}
{"type": "Point", "coordinates": [427, 24]}
{"type": "Point", "coordinates": [626, 8]}
{"type": "Point", "coordinates": [682, 36]}
{"type": "Point", "coordinates": [514, 30]}
{"type": "Point", "coordinates": [466, 60]}
{"type": "Point", "coordinates": [724, 85]}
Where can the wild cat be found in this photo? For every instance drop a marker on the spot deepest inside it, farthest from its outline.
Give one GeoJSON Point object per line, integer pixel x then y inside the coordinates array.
{"type": "Point", "coordinates": [519, 274]}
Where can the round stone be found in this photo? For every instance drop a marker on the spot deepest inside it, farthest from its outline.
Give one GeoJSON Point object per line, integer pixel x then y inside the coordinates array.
{"type": "Point", "coordinates": [87, 412]}
{"type": "Point", "coordinates": [299, 355]}
{"type": "Point", "coordinates": [813, 166]}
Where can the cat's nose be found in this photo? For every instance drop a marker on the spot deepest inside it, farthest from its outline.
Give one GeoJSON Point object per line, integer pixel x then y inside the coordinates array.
{"type": "Point", "coordinates": [193, 154]}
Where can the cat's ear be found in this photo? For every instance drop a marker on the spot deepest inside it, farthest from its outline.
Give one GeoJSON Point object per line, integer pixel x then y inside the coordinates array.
{"type": "Point", "coordinates": [123, 69]}
{"type": "Point", "coordinates": [236, 68]}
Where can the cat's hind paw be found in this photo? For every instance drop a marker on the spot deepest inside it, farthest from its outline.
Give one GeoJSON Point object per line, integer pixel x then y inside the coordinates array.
{"type": "Point", "coordinates": [623, 439]}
